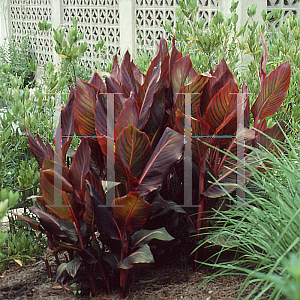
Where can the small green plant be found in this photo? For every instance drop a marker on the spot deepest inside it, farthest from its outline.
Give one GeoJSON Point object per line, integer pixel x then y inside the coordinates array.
{"type": "Point", "coordinates": [70, 49]}
{"type": "Point", "coordinates": [17, 59]}
{"type": "Point", "coordinates": [7, 200]}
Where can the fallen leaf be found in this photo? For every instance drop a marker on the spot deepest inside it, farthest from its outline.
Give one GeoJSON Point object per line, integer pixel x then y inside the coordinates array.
{"type": "Point", "coordinates": [57, 287]}
{"type": "Point", "coordinates": [19, 262]}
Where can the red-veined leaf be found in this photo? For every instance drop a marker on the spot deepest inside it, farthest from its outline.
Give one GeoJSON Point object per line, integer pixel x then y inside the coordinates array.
{"type": "Point", "coordinates": [113, 87]}
{"type": "Point", "coordinates": [228, 181]}
{"type": "Point", "coordinates": [206, 95]}
{"type": "Point", "coordinates": [31, 222]}
{"type": "Point", "coordinates": [88, 216]}
{"type": "Point", "coordinates": [131, 210]}
{"type": "Point", "coordinates": [141, 256]}
{"type": "Point", "coordinates": [80, 165]}
{"type": "Point", "coordinates": [48, 221]}
{"type": "Point", "coordinates": [56, 178]}
{"type": "Point", "coordinates": [175, 54]}
{"type": "Point", "coordinates": [84, 107]}
{"type": "Point", "coordinates": [67, 119]}
{"type": "Point", "coordinates": [38, 149]}
{"type": "Point", "coordinates": [148, 99]}
{"type": "Point", "coordinates": [195, 88]}
{"type": "Point", "coordinates": [144, 236]}
{"type": "Point", "coordinates": [104, 218]}
{"type": "Point", "coordinates": [138, 75]}
{"type": "Point", "coordinates": [134, 146]}
{"type": "Point", "coordinates": [167, 152]}
{"type": "Point", "coordinates": [128, 115]}
{"type": "Point", "coordinates": [115, 70]}
{"type": "Point", "coordinates": [179, 72]}
{"type": "Point", "coordinates": [53, 196]}
{"type": "Point", "coordinates": [98, 83]}
{"type": "Point", "coordinates": [274, 133]}
{"type": "Point", "coordinates": [162, 53]}
{"type": "Point", "coordinates": [95, 183]}
{"type": "Point", "coordinates": [272, 93]}
{"type": "Point", "coordinates": [127, 78]}
{"type": "Point", "coordinates": [157, 113]}
{"type": "Point", "coordinates": [222, 108]}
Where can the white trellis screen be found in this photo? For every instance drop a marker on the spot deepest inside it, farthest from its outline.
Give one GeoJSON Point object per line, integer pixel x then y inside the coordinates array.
{"type": "Point", "coordinates": [123, 24]}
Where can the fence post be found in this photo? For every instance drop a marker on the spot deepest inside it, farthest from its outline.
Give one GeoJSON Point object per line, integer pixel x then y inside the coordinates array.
{"type": "Point", "coordinates": [127, 26]}
{"type": "Point", "coordinates": [242, 10]}
{"type": "Point", "coordinates": [5, 31]}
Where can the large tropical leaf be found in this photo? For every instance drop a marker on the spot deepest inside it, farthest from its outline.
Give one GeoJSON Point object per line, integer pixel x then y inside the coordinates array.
{"type": "Point", "coordinates": [31, 222]}
{"type": "Point", "coordinates": [115, 70]}
{"type": "Point", "coordinates": [128, 115]}
{"type": "Point", "coordinates": [49, 221]}
{"type": "Point", "coordinates": [222, 108]}
{"type": "Point", "coordinates": [157, 113]}
{"type": "Point", "coordinates": [84, 107]}
{"type": "Point", "coordinates": [144, 236]}
{"type": "Point", "coordinates": [113, 87]}
{"type": "Point", "coordinates": [57, 179]}
{"type": "Point", "coordinates": [89, 215]}
{"type": "Point", "coordinates": [272, 92]}
{"type": "Point", "coordinates": [162, 53]}
{"type": "Point", "coordinates": [167, 152]}
{"type": "Point", "coordinates": [67, 119]}
{"type": "Point", "coordinates": [207, 91]}
{"type": "Point", "coordinates": [227, 183]}
{"type": "Point", "coordinates": [179, 72]}
{"type": "Point", "coordinates": [148, 99]}
{"type": "Point", "coordinates": [80, 165]}
{"type": "Point", "coordinates": [98, 83]}
{"type": "Point", "coordinates": [275, 132]}
{"type": "Point", "coordinates": [127, 78]}
{"type": "Point", "coordinates": [104, 218]}
{"type": "Point", "coordinates": [56, 201]}
{"type": "Point", "coordinates": [195, 88]}
{"type": "Point", "coordinates": [141, 256]}
{"type": "Point", "coordinates": [134, 147]}
{"type": "Point", "coordinates": [38, 148]}
{"type": "Point", "coordinates": [131, 210]}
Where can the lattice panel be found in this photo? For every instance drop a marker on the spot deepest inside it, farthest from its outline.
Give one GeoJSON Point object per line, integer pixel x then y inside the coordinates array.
{"type": "Point", "coordinates": [207, 9]}
{"type": "Point", "coordinates": [150, 17]}
{"type": "Point", "coordinates": [152, 14]}
{"type": "Point", "coordinates": [98, 20]}
{"type": "Point", "coordinates": [288, 6]}
{"type": "Point", "coordinates": [25, 16]}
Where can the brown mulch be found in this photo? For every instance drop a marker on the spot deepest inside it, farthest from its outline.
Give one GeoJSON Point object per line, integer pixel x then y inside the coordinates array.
{"type": "Point", "coordinates": [155, 282]}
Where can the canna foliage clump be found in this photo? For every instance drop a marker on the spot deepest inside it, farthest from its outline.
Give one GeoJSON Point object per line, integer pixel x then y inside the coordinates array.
{"type": "Point", "coordinates": [134, 123]}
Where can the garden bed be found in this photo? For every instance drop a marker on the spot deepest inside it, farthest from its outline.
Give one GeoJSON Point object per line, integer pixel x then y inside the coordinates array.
{"type": "Point", "coordinates": [156, 282]}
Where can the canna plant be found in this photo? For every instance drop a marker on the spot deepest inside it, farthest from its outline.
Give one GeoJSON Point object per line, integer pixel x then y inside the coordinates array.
{"type": "Point", "coordinates": [220, 125]}
{"type": "Point", "coordinates": [72, 209]}
{"type": "Point", "coordinates": [133, 123]}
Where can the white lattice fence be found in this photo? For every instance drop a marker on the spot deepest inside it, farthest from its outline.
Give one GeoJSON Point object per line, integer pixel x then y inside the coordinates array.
{"type": "Point", "coordinates": [24, 18]}
{"type": "Point", "coordinates": [98, 20]}
{"type": "Point", "coordinates": [288, 7]}
{"type": "Point", "coordinates": [150, 16]}
{"type": "Point", "coordinates": [123, 24]}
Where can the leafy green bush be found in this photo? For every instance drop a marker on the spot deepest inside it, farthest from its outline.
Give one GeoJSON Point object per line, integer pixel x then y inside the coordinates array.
{"type": "Point", "coordinates": [17, 59]}
{"type": "Point", "coordinates": [263, 231]}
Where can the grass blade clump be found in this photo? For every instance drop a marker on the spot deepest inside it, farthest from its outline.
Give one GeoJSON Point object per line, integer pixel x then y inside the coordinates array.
{"type": "Point", "coordinates": [264, 229]}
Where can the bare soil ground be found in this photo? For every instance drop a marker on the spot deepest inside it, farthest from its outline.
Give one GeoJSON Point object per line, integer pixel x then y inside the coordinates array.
{"type": "Point", "coordinates": [155, 282]}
